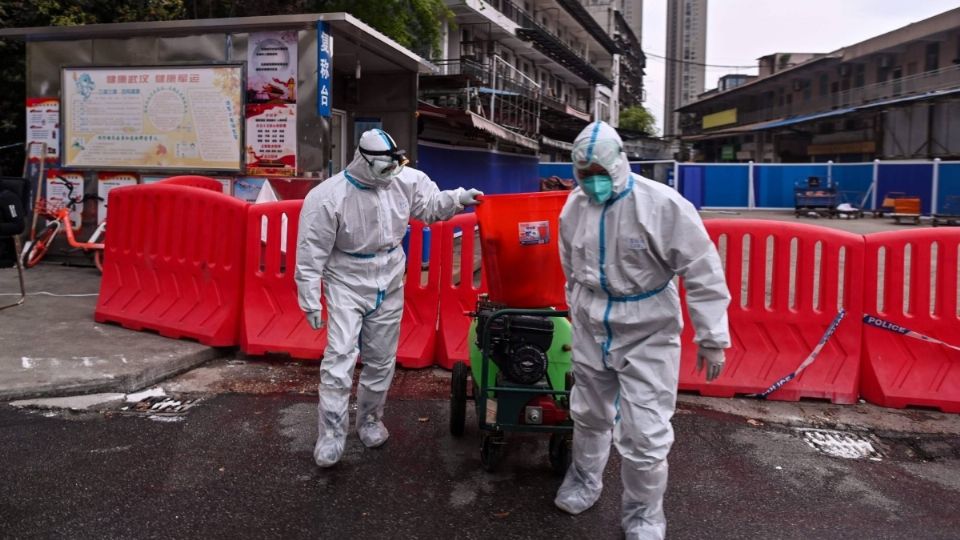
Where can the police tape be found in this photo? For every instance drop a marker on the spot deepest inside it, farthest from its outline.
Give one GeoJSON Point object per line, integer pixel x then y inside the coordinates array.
{"type": "Point", "coordinates": [810, 357]}
{"type": "Point", "coordinates": [877, 322]}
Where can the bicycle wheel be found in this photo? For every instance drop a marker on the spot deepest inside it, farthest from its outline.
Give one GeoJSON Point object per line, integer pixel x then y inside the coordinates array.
{"type": "Point", "coordinates": [40, 246]}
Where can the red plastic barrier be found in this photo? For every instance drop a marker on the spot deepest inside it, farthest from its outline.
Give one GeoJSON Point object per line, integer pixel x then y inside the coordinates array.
{"type": "Point", "coordinates": [899, 371]}
{"type": "Point", "coordinates": [456, 299]}
{"type": "Point", "coordinates": [174, 263]}
{"type": "Point", "coordinates": [770, 341]}
{"type": "Point", "coordinates": [202, 182]}
{"type": "Point", "coordinates": [272, 319]}
{"type": "Point", "coordinates": [418, 328]}
{"type": "Point", "coordinates": [287, 188]}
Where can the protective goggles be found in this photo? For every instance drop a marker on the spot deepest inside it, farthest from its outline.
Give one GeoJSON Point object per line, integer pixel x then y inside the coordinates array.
{"type": "Point", "coordinates": [394, 156]}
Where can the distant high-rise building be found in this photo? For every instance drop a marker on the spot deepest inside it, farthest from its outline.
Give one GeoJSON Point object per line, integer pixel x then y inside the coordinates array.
{"type": "Point", "coordinates": [631, 10]}
{"type": "Point", "coordinates": [686, 53]}
{"type": "Point", "coordinates": [633, 13]}
{"type": "Point", "coordinates": [623, 21]}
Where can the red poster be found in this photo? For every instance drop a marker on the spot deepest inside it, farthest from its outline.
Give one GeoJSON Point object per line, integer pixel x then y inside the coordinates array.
{"type": "Point", "coordinates": [271, 139]}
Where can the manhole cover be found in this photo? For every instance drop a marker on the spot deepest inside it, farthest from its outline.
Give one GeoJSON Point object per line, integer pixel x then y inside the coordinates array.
{"type": "Point", "coordinates": [842, 444]}
{"type": "Point", "coordinates": [164, 405]}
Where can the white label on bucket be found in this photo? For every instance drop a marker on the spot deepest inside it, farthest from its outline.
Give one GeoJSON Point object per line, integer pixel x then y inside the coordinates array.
{"type": "Point", "coordinates": [13, 211]}
{"type": "Point", "coordinates": [534, 232]}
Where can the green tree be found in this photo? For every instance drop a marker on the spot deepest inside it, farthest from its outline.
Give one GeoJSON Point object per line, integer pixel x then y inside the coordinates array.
{"type": "Point", "coordinates": [639, 119]}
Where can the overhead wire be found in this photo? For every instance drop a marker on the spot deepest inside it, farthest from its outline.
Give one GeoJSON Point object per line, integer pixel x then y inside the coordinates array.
{"type": "Point", "coordinates": [692, 63]}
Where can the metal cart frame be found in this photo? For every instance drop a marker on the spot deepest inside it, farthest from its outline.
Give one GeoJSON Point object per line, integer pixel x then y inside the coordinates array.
{"type": "Point", "coordinates": [510, 400]}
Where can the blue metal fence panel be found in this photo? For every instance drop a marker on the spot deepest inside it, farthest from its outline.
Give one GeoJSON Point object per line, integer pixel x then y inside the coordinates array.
{"type": "Point", "coordinates": [724, 185]}
{"type": "Point", "coordinates": [948, 196]}
{"type": "Point", "coordinates": [853, 181]}
{"type": "Point", "coordinates": [490, 172]}
{"type": "Point", "coordinates": [691, 184]}
{"type": "Point", "coordinates": [914, 179]}
{"type": "Point", "coordinates": [773, 183]}
{"type": "Point", "coordinates": [563, 170]}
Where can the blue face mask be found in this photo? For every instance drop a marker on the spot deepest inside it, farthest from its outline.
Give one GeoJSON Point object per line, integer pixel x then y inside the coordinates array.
{"type": "Point", "coordinates": [598, 187]}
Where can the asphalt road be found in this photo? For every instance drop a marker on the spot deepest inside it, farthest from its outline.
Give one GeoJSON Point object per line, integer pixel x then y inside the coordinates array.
{"type": "Point", "coordinates": [239, 466]}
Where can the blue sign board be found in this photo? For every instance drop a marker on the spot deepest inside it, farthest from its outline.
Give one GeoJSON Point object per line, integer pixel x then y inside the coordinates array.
{"type": "Point", "coordinates": [324, 69]}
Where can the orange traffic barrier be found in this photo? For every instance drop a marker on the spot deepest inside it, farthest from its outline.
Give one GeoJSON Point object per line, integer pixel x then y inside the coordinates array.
{"type": "Point", "coordinates": [778, 315]}
{"type": "Point", "coordinates": [174, 263]}
{"type": "Point", "coordinates": [202, 182]}
{"type": "Point", "coordinates": [272, 319]}
{"type": "Point", "coordinates": [457, 296]}
{"type": "Point", "coordinates": [910, 293]}
{"type": "Point", "coordinates": [421, 299]}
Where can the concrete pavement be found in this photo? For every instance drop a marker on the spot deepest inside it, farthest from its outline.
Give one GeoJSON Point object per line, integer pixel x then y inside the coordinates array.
{"type": "Point", "coordinates": [51, 345]}
{"type": "Point", "coordinates": [240, 466]}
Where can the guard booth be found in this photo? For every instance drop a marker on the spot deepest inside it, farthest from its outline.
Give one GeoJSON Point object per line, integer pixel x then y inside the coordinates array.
{"type": "Point", "coordinates": [277, 100]}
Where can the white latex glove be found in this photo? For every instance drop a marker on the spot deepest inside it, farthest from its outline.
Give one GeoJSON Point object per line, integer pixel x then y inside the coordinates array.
{"type": "Point", "coordinates": [314, 320]}
{"type": "Point", "coordinates": [469, 197]}
{"type": "Point", "coordinates": [713, 359]}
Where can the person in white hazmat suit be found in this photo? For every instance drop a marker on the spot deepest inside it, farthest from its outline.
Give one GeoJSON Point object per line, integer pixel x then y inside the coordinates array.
{"type": "Point", "coordinates": [351, 228]}
{"type": "Point", "coordinates": [623, 238]}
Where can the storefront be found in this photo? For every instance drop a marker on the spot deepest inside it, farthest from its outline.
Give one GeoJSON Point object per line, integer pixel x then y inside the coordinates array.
{"type": "Point", "coordinates": [242, 100]}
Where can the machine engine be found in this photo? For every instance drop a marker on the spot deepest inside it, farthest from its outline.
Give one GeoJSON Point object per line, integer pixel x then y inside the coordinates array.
{"type": "Point", "coordinates": [518, 343]}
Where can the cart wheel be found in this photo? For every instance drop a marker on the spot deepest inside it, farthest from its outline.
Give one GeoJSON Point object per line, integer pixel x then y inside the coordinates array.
{"type": "Point", "coordinates": [491, 450]}
{"type": "Point", "coordinates": [561, 452]}
{"type": "Point", "coordinates": [458, 399]}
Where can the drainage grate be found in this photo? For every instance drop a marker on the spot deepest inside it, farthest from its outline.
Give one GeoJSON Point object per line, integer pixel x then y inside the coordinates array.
{"type": "Point", "coordinates": [164, 405]}
{"type": "Point", "coordinates": [843, 444]}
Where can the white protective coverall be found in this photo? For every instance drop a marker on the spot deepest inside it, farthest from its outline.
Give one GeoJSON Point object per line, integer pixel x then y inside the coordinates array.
{"type": "Point", "coordinates": [620, 258]}
{"type": "Point", "coordinates": [351, 228]}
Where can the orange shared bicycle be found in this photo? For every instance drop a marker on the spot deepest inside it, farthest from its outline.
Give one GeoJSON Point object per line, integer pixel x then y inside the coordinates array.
{"type": "Point", "coordinates": [58, 214]}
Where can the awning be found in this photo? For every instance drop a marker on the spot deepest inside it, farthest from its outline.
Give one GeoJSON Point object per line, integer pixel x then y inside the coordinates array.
{"type": "Point", "coordinates": [553, 143]}
{"type": "Point", "coordinates": [808, 118]}
{"type": "Point", "coordinates": [501, 132]}
{"type": "Point", "coordinates": [729, 132]}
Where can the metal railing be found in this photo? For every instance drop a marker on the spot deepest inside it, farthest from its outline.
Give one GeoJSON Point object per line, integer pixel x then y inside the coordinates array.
{"type": "Point", "coordinates": [461, 66]}
{"type": "Point", "coordinates": [928, 81]}
{"type": "Point", "coordinates": [520, 16]}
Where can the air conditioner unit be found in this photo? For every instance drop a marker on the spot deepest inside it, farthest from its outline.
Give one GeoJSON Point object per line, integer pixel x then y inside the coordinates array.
{"type": "Point", "coordinates": [844, 70]}
{"type": "Point", "coordinates": [798, 85]}
{"type": "Point", "coordinates": [885, 61]}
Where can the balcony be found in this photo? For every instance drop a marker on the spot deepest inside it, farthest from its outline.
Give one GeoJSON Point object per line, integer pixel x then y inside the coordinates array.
{"type": "Point", "coordinates": [493, 92]}
{"type": "Point", "coordinates": [928, 81]}
{"type": "Point", "coordinates": [460, 67]}
{"type": "Point", "coordinates": [550, 44]}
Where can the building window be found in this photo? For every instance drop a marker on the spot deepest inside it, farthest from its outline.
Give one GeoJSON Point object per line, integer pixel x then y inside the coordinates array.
{"type": "Point", "coordinates": [859, 75]}
{"type": "Point", "coordinates": [932, 56]}
{"type": "Point", "coordinates": [824, 82]}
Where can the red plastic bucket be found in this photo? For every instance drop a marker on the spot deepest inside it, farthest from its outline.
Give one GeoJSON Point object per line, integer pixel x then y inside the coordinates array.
{"type": "Point", "coordinates": [519, 235]}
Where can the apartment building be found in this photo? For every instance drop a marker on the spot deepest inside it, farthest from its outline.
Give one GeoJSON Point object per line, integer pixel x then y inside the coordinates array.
{"type": "Point", "coordinates": [893, 96]}
{"type": "Point", "coordinates": [520, 76]}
